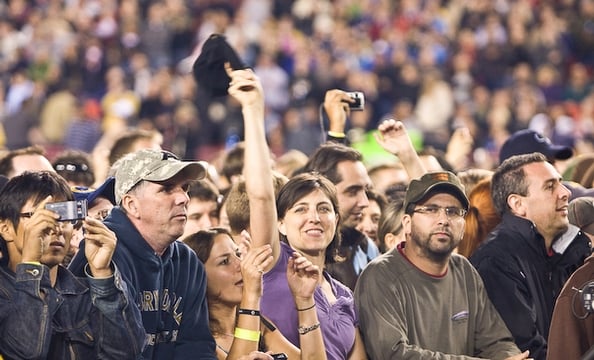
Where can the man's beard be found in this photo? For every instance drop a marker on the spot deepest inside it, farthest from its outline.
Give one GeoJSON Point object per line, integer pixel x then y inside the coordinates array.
{"type": "Point", "coordinates": [424, 244]}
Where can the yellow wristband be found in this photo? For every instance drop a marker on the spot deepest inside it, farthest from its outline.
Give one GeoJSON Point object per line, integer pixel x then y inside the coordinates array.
{"type": "Point", "coordinates": [336, 134]}
{"type": "Point", "coordinates": [31, 262]}
{"type": "Point", "coordinates": [245, 334]}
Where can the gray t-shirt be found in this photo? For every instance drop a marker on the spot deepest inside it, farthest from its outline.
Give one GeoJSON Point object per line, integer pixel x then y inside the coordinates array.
{"type": "Point", "coordinates": [407, 313]}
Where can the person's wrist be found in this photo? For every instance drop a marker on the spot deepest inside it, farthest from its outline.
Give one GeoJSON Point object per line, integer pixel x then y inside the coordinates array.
{"type": "Point", "coordinates": [405, 154]}
{"type": "Point", "coordinates": [302, 301]}
{"type": "Point", "coordinates": [250, 299]}
{"type": "Point", "coordinates": [302, 304]}
{"type": "Point", "coordinates": [336, 134]}
{"type": "Point", "coordinates": [253, 108]}
{"type": "Point", "coordinates": [100, 273]}
{"type": "Point", "coordinates": [30, 259]}
{"type": "Point", "coordinates": [31, 262]}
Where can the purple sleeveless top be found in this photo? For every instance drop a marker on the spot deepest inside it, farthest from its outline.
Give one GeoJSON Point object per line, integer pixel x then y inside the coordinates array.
{"type": "Point", "coordinates": [338, 321]}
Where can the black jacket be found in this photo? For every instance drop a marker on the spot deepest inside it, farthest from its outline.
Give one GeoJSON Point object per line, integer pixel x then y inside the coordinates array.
{"type": "Point", "coordinates": [523, 280]}
{"type": "Point", "coordinates": [351, 241]}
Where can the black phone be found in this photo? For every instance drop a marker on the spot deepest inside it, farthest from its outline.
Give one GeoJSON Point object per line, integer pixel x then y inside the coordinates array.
{"type": "Point", "coordinates": [280, 356]}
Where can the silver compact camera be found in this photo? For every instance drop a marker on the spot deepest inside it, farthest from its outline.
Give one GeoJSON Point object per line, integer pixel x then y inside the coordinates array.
{"type": "Point", "coordinates": [69, 210]}
{"type": "Point", "coordinates": [359, 101]}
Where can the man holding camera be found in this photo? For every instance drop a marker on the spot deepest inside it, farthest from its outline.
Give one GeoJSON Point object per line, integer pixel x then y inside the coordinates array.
{"type": "Point", "coordinates": [344, 166]}
{"type": "Point", "coordinates": [46, 312]}
{"type": "Point", "coordinates": [166, 278]}
{"type": "Point", "coordinates": [421, 301]}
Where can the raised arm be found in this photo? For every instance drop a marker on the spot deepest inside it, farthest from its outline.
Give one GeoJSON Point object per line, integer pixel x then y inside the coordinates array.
{"type": "Point", "coordinates": [248, 319]}
{"type": "Point", "coordinates": [337, 109]}
{"type": "Point", "coordinates": [245, 87]}
{"type": "Point", "coordinates": [459, 149]}
{"type": "Point", "coordinates": [394, 138]}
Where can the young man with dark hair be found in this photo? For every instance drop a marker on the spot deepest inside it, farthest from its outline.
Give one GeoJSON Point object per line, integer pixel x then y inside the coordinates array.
{"type": "Point", "coordinates": [203, 207]}
{"type": "Point", "coordinates": [46, 312]}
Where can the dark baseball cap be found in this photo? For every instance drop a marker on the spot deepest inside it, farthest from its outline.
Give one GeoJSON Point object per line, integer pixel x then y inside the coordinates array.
{"type": "Point", "coordinates": [209, 68]}
{"type": "Point", "coordinates": [105, 190]}
{"type": "Point", "coordinates": [431, 183]}
{"type": "Point", "coordinates": [581, 213]}
{"type": "Point", "coordinates": [528, 141]}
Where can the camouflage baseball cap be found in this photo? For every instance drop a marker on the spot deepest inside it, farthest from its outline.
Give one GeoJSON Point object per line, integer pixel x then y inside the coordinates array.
{"type": "Point", "coordinates": [434, 182]}
{"type": "Point", "coordinates": [152, 165]}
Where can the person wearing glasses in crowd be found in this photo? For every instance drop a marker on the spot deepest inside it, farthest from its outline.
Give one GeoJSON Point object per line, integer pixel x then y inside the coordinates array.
{"type": "Point", "coordinates": [419, 300]}
{"type": "Point", "coordinates": [166, 279]}
{"type": "Point", "coordinates": [45, 311]}
{"type": "Point", "coordinates": [76, 167]}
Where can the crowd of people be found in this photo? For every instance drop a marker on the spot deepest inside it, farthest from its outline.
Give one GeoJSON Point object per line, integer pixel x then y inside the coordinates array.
{"type": "Point", "coordinates": [74, 74]}
{"type": "Point", "coordinates": [185, 262]}
{"type": "Point", "coordinates": [259, 215]}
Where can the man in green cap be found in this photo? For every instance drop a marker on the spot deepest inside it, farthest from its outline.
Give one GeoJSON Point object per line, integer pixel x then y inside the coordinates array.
{"type": "Point", "coordinates": [421, 301]}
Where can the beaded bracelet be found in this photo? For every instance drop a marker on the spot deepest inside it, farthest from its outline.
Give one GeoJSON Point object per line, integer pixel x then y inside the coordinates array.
{"type": "Point", "coordinates": [251, 312]}
{"type": "Point", "coordinates": [304, 330]}
{"type": "Point", "coordinates": [245, 334]}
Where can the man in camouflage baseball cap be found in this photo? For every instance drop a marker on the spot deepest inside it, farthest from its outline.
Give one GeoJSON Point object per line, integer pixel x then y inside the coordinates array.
{"type": "Point", "coordinates": [164, 275]}
{"type": "Point", "coordinates": [152, 165]}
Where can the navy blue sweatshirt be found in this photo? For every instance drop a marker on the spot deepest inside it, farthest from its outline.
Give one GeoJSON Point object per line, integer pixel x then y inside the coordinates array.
{"type": "Point", "coordinates": [170, 291]}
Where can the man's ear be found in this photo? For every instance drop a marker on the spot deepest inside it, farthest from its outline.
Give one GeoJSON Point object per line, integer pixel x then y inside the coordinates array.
{"type": "Point", "coordinates": [406, 224]}
{"type": "Point", "coordinates": [7, 230]}
{"type": "Point", "coordinates": [130, 205]}
{"type": "Point", "coordinates": [517, 205]}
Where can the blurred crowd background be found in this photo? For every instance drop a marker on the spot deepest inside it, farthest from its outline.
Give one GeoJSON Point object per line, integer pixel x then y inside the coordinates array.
{"type": "Point", "coordinates": [76, 73]}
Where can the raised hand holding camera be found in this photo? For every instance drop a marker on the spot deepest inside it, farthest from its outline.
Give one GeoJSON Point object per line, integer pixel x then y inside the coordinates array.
{"type": "Point", "coordinates": [100, 243]}
{"type": "Point", "coordinates": [34, 234]}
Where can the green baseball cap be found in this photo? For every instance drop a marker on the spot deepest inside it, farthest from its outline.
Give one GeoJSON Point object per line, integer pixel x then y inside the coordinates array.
{"type": "Point", "coordinates": [434, 182]}
{"type": "Point", "coordinates": [152, 165]}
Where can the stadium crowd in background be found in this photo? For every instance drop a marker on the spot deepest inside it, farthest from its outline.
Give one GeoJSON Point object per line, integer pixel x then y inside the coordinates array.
{"type": "Point", "coordinates": [72, 72]}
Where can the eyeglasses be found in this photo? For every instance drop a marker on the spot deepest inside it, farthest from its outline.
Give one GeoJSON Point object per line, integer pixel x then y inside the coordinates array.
{"type": "Point", "coordinates": [452, 212]}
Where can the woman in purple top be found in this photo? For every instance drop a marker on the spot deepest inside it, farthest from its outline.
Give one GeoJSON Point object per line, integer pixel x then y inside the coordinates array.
{"type": "Point", "coordinates": [307, 220]}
